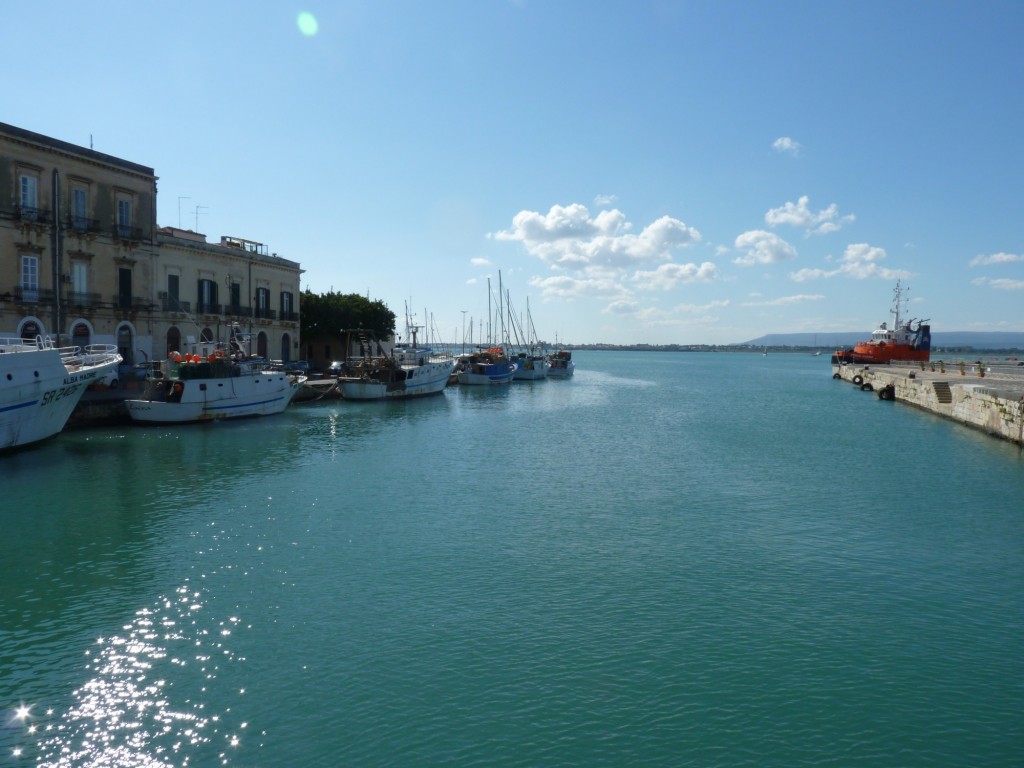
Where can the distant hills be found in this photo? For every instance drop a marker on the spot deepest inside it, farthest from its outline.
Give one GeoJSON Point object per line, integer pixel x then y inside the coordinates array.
{"type": "Point", "coordinates": [942, 339]}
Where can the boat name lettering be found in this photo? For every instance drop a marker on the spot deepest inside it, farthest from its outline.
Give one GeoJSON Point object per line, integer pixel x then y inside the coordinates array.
{"type": "Point", "coordinates": [76, 377]}
{"type": "Point", "coordinates": [57, 394]}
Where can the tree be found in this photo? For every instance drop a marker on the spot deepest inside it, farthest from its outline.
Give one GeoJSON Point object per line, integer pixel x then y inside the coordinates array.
{"type": "Point", "coordinates": [329, 314]}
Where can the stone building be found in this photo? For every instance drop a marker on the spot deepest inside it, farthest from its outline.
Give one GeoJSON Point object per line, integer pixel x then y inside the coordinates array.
{"type": "Point", "coordinates": [82, 260]}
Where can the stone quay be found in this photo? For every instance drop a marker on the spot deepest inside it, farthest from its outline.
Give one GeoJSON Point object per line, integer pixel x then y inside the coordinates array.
{"type": "Point", "coordinates": [984, 394]}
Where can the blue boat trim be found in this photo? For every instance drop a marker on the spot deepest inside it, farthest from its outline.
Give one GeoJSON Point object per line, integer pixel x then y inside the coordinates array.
{"type": "Point", "coordinates": [28, 404]}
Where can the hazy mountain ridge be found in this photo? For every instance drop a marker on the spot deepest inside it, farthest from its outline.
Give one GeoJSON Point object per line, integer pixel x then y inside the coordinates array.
{"type": "Point", "coordinates": [974, 339]}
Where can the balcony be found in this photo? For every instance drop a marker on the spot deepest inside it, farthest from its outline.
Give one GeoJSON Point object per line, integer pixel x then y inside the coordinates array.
{"type": "Point", "coordinates": [131, 303]}
{"type": "Point", "coordinates": [264, 314]}
{"type": "Point", "coordinates": [83, 225]}
{"type": "Point", "coordinates": [124, 232]}
{"type": "Point", "coordinates": [31, 214]}
{"type": "Point", "coordinates": [239, 309]}
{"type": "Point", "coordinates": [205, 308]}
{"type": "Point", "coordinates": [32, 295]}
{"type": "Point", "coordinates": [290, 317]}
{"type": "Point", "coordinates": [174, 304]}
{"type": "Point", "coordinates": [83, 300]}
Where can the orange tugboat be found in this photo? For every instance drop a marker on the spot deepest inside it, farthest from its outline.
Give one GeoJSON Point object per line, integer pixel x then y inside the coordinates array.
{"type": "Point", "coordinates": [909, 340]}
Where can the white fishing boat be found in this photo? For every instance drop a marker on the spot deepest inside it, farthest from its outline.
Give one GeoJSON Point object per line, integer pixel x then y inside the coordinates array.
{"type": "Point", "coordinates": [530, 367]}
{"type": "Point", "coordinates": [562, 366]}
{"type": "Point", "coordinates": [40, 385]}
{"type": "Point", "coordinates": [211, 382]}
{"type": "Point", "coordinates": [409, 371]}
{"type": "Point", "coordinates": [485, 367]}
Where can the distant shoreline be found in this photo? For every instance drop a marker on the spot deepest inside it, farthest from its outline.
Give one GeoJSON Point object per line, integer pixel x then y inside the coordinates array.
{"type": "Point", "coordinates": [778, 349]}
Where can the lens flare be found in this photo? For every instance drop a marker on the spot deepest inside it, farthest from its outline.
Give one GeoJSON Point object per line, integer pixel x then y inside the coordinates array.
{"type": "Point", "coordinates": [307, 24]}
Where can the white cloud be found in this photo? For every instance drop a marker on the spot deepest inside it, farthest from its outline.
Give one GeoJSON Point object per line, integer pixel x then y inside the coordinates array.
{"type": "Point", "coordinates": [602, 256]}
{"type": "Point", "coordinates": [996, 258]}
{"type": "Point", "coordinates": [622, 307]}
{"type": "Point", "coordinates": [786, 300]}
{"type": "Point", "coordinates": [763, 248]}
{"type": "Point", "coordinates": [1002, 283]}
{"type": "Point", "coordinates": [569, 237]}
{"type": "Point", "coordinates": [693, 309]}
{"type": "Point", "coordinates": [567, 287]}
{"type": "Point", "coordinates": [480, 262]}
{"type": "Point", "coordinates": [603, 200]}
{"type": "Point", "coordinates": [668, 276]}
{"type": "Point", "coordinates": [860, 261]}
{"type": "Point", "coordinates": [803, 275]}
{"type": "Point", "coordinates": [787, 146]}
{"type": "Point", "coordinates": [799, 215]}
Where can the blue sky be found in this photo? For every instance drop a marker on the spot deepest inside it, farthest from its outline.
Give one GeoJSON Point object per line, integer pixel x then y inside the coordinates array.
{"type": "Point", "coordinates": [639, 172]}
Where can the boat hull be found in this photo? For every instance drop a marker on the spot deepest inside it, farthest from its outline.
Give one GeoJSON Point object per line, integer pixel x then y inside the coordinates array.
{"type": "Point", "coordinates": [562, 371]}
{"type": "Point", "coordinates": [867, 354]}
{"type": "Point", "coordinates": [491, 375]}
{"type": "Point", "coordinates": [531, 369]}
{"type": "Point", "coordinates": [38, 392]}
{"type": "Point", "coordinates": [415, 381]}
{"type": "Point", "coordinates": [214, 399]}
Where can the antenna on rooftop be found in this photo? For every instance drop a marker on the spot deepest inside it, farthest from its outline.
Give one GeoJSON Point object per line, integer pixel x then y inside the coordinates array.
{"type": "Point", "coordinates": [179, 209]}
{"type": "Point", "coordinates": [197, 215]}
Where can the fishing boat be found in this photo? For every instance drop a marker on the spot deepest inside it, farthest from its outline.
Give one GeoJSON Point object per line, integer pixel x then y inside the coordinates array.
{"type": "Point", "coordinates": [905, 341]}
{"type": "Point", "coordinates": [409, 371]}
{"type": "Point", "coordinates": [562, 366]}
{"type": "Point", "coordinates": [485, 367]}
{"type": "Point", "coordinates": [213, 381]}
{"type": "Point", "coordinates": [530, 367]}
{"type": "Point", "coordinates": [531, 363]}
{"type": "Point", "coordinates": [40, 385]}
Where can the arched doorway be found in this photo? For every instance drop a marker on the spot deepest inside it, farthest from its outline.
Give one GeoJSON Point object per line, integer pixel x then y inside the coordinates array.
{"type": "Point", "coordinates": [31, 329]}
{"type": "Point", "coordinates": [261, 344]}
{"type": "Point", "coordinates": [173, 339]}
{"type": "Point", "coordinates": [126, 344]}
{"type": "Point", "coordinates": [286, 343]}
{"type": "Point", "coordinates": [80, 335]}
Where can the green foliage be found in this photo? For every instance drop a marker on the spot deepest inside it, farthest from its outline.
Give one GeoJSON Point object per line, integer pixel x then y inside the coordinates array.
{"type": "Point", "coordinates": [331, 313]}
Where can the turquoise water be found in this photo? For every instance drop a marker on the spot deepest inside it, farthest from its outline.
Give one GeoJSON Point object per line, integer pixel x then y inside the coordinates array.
{"type": "Point", "coordinates": [672, 559]}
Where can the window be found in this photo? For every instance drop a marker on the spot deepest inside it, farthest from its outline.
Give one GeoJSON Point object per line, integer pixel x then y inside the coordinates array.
{"type": "Point", "coordinates": [79, 208]}
{"type": "Point", "coordinates": [80, 281]}
{"type": "Point", "coordinates": [124, 217]}
{"type": "Point", "coordinates": [124, 289]}
{"type": "Point", "coordinates": [29, 197]}
{"type": "Point", "coordinates": [208, 297]}
{"type": "Point", "coordinates": [29, 277]}
{"type": "Point", "coordinates": [262, 302]}
{"type": "Point", "coordinates": [236, 298]}
{"type": "Point", "coordinates": [286, 305]}
{"type": "Point", "coordinates": [173, 292]}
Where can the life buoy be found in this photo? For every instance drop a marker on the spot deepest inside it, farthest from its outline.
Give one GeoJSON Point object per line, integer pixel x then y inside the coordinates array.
{"type": "Point", "coordinates": [211, 357]}
{"type": "Point", "coordinates": [836, 376]}
{"type": "Point", "coordinates": [220, 353]}
{"type": "Point", "coordinates": [178, 387]}
{"type": "Point", "coordinates": [858, 379]}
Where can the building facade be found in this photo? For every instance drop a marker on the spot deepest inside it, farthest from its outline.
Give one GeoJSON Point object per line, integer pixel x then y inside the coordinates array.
{"type": "Point", "coordinates": [82, 260]}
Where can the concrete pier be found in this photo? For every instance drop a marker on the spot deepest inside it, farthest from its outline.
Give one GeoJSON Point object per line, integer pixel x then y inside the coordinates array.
{"type": "Point", "coordinates": [986, 394]}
